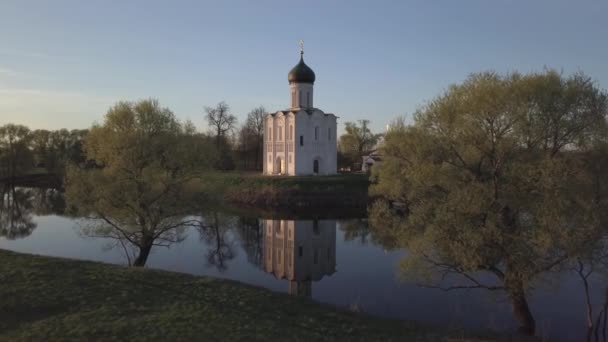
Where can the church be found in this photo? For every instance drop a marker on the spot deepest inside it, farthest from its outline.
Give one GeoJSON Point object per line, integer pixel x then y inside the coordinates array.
{"type": "Point", "coordinates": [300, 140]}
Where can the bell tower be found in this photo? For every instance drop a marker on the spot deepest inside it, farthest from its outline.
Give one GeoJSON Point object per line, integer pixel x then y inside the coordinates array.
{"type": "Point", "coordinates": [301, 81]}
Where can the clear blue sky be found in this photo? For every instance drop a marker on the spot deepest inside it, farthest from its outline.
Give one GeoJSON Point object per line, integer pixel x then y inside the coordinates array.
{"type": "Point", "coordinates": [63, 63]}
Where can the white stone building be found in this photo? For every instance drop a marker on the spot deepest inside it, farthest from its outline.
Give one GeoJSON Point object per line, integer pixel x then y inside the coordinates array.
{"type": "Point", "coordinates": [300, 140]}
{"type": "Point", "coordinates": [301, 251]}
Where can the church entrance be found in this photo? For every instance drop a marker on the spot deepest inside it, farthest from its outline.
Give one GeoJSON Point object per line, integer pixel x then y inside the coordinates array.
{"type": "Point", "coordinates": [315, 166]}
{"type": "Point", "coordinates": [280, 166]}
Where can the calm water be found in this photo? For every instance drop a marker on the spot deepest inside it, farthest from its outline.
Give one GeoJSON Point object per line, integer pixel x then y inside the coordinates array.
{"type": "Point", "coordinates": [330, 260]}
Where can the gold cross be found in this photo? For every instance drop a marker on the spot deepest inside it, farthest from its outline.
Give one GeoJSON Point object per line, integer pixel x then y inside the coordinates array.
{"type": "Point", "coordinates": [301, 46]}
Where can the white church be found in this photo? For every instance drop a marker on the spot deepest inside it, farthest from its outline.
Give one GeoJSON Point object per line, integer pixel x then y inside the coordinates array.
{"type": "Point", "coordinates": [300, 140]}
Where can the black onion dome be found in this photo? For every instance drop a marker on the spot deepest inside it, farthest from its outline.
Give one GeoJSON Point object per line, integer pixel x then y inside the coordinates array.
{"type": "Point", "coordinates": [301, 73]}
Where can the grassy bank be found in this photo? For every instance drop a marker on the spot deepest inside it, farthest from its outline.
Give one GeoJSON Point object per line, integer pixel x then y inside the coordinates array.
{"type": "Point", "coordinates": [56, 299]}
{"type": "Point", "coordinates": [255, 190]}
{"type": "Point", "coordinates": [283, 191]}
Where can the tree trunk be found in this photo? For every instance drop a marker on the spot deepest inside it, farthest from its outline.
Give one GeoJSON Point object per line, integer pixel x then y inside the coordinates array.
{"type": "Point", "coordinates": [218, 137]}
{"type": "Point", "coordinates": [521, 310]}
{"type": "Point", "coordinates": [144, 252]}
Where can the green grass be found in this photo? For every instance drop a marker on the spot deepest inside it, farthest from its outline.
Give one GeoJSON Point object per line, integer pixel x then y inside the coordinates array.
{"type": "Point", "coordinates": [49, 299]}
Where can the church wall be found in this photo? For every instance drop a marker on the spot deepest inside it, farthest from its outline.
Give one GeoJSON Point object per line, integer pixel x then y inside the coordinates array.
{"type": "Point", "coordinates": [285, 144]}
{"type": "Point", "coordinates": [316, 144]}
{"type": "Point", "coordinates": [281, 144]}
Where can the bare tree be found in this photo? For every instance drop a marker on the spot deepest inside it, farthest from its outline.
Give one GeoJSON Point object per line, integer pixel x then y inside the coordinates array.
{"type": "Point", "coordinates": [221, 121]}
{"type": "Point", "coordinates": [255, 122]}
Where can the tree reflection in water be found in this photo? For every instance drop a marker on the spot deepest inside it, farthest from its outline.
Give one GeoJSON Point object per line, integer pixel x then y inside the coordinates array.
{"type": "Point", "coordinates": [250, 231]}
{"type": "Point", "coordinates": [19, 204]}
{"type": "Point", "coordinates": [16, 210]}
{"type": "Point", "coordinates": [215, 230]}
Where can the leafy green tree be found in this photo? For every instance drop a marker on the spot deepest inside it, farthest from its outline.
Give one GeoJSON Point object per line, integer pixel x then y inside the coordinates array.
{"type": "Point", "coordinates": [146, 159]}
{"type": "Point", "coordinates": [497, 183]}
{"type": "Point", "coordinates": [15, 155]}
{"type": "Point", "coordinates": [357, 140]}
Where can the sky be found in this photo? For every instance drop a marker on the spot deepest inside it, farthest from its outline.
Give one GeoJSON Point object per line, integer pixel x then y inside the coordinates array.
{"type": "Point", "coordinates": [64, 63]}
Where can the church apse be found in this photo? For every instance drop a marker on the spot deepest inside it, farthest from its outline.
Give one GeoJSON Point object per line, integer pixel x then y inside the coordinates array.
{"type": "Point", "coordinates": [300, 251]}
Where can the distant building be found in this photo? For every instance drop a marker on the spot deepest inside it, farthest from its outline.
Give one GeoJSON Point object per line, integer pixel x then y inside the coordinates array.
{"type": "Point", "coordinates": [300, 251]}
{"type": "Point", "coordinates": [300, 140]}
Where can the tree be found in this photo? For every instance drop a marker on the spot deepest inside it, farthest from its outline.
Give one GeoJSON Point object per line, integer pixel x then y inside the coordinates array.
{"type": "Point", "coordinates": [496, 177]}
{"type": "Point", "coordinates": [246, 148]}
{"type": "Point", "coordinates": [15, 155]}
{"type": "Point", "coordinates": [40, 145]}
{"type": "Point", "coordinates": [221, 121]}
{"type": "Point", "coordinates": [139, 190]}
{"type": "Point", "coordinates": [255, 125]}
{"type": "Point", "coordinates": [357, 140]}
{"type": "Point", "coordinates": [54, 150]}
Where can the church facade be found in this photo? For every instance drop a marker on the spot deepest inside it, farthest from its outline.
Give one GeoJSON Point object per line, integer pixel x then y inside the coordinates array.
{"type": "Point", "coordinates": [300, 140]}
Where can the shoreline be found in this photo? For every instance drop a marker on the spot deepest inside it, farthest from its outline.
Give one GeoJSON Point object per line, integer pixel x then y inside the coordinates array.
{"type": "Point", "coordinates": [57, 298]}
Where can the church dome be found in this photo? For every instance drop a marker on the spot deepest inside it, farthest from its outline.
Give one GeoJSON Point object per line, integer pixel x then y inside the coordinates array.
{"type": "Point", "coordinates": [301, 73]}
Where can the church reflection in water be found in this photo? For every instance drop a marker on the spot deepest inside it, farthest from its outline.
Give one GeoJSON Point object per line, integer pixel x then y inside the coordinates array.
{"type": "Point", "coordinates": [300, 251]}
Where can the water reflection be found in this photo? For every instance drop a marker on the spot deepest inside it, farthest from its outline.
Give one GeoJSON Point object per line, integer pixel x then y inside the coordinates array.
{"type": "Point", "coordinates": [348, 265]}
{"type": "Point", "coordinates": [301, 251]}
{"type": "Point", "coordinates": [215, 231]}
{"type": "Point", "coordinates": [16, 213]}
{"type": "Point", "coordinates": [251, 230]}
{"type": "Point", "coordinates": [19, 205]}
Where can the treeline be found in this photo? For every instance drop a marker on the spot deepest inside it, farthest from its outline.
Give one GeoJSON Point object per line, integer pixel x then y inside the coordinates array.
{"type": "Point", "coordinates": [24, 151]}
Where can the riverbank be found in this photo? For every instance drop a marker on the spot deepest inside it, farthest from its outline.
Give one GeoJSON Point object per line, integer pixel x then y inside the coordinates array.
{"type": "Point", "coordinates": [256, 190]}
{"type": "Point", "coordinates": [47, 298]}
{"type": "Point", "coordinates": [251, 189]}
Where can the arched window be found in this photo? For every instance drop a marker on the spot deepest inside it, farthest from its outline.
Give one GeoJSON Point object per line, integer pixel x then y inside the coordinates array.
{"type": "Point", "coordinates": [280, 133]}
{"type": "Point", "coordinates": [290, 158]}
{"type": "Point", "coordinates": [316, 132]}
{"type": "Point", "coordinates": [301, 140]}
{"type": "Point", "coordinates": [300, 98]}
{"type": "Point", "coordinates": [290, 132]}
{"type": "Point", "coordinates": [308, 98]}
{"type": "Point", "coordinates": [269, 133]}
{"type": "Point", "coordinates": [293, 99]}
